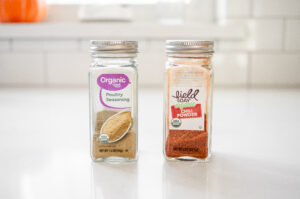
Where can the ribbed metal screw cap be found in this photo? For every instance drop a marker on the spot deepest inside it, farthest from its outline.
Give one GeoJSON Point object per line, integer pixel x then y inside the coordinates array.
{"type": "Point", "coordinates": [114, 46]}
{"type": "Point", "coordinates": [189, 46]}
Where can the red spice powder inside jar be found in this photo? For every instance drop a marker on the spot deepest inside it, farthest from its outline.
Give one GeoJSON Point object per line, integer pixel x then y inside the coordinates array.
{"type": "Point", "coordinates": [187, 143]}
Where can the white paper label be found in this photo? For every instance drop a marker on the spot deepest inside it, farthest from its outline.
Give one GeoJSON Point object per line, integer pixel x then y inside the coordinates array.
{"type": "Point", "coordinates": [187, 106]}
{"type": "Point", "coordinates": [115, 90]}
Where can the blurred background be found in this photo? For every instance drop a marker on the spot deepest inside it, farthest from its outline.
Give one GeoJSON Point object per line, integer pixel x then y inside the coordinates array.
{"type": "Point", "coordinates": [257, 41]}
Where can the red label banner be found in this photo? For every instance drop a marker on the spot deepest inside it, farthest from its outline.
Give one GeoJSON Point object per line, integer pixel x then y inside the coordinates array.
{"type": "Point", "coordinates": [187, 112]}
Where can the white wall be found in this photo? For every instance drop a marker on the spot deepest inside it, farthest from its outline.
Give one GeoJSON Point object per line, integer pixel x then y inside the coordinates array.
{"type": "Point", "coordinates": [268, 56]}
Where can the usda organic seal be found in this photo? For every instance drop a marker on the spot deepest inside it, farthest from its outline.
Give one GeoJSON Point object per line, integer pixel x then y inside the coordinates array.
{"type": "Point", "coordinates": [176, 122]}
{"type": "Point", "coordinates": [103, 138]}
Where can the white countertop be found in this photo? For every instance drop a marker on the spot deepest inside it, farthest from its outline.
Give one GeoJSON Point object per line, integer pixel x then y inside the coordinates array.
{"type": "Point", "coordinates": [44, 149]}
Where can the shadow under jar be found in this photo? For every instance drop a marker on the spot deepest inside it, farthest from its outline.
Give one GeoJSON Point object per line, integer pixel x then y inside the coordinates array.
{"type": "Point", "coordinates": [113, 100]}
{"type": "Point", "coordinates": [188, 100]}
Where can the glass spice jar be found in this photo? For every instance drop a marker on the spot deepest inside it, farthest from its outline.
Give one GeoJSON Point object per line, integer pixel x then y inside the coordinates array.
{"type": "Point", "coordinates": [188, 100]}
{"type": "Point", "coordinates": [113, 100]}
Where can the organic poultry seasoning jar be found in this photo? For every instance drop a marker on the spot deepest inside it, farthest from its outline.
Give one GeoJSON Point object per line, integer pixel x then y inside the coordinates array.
{"type": "Point", "coordinates": [113, 100]}
{"type": "Point", "coordinates": [188, 100]}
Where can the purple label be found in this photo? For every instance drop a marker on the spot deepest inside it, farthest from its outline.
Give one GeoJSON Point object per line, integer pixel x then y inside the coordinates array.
{"type": "Point", "coordinates": [113, 82]}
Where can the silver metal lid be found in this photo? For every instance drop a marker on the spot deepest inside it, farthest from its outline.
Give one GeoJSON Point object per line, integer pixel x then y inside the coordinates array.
{"type": "Point", "coordinates": [189, 46]}
{"type": "Point", "coordinates": [114, 46]}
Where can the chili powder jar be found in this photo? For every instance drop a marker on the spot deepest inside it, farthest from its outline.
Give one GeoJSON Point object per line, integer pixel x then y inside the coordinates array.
{"type": "Point", "coordinates": [188, 100]}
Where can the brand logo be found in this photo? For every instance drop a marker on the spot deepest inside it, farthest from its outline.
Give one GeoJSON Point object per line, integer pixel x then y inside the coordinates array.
{"type": "Point", "coordinates": [113, 82]}
{"type": "Point", "coordinates": [186, 96]}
